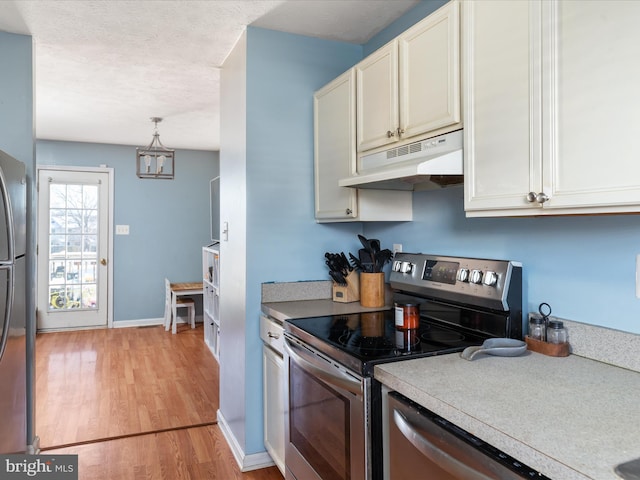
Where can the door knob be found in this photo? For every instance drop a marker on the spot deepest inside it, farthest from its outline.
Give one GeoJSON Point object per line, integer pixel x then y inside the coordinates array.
{"type": "Point", "coordinates": [103, 261]}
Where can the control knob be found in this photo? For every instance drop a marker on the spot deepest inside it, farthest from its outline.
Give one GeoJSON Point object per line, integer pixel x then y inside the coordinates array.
{"type": "Point", "coordinates": [475, 276]}
{"type": "Point", "coordinates": [463, 275]}
{"type": "Point", "coordinates": [490, 278]}
{"type": "Point", "coordinates": [396, 265]}
{"type": "Point", "coordinates": [406, 267]}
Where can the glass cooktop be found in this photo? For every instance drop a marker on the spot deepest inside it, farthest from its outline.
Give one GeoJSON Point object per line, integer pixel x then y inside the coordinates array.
{"type": "Point", "coordinates": [370, 338]}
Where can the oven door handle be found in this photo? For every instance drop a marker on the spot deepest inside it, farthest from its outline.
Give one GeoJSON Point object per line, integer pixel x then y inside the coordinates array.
{"type": "Point", "coordinates": [332, 376]}
{"type": "Point", "coordinates": [447, 462]}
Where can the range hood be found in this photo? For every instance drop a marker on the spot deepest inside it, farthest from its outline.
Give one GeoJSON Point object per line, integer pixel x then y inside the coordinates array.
{"type": "Point", "coordinates": [432, 163]}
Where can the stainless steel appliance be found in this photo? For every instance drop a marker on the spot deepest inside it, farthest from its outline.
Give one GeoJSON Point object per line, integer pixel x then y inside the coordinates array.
{"type": "Point", "coordinates": [421, 444]}
{"type": "Point", "coordinates": [13, 358]}
{"type": "Point", "coordinates": [334, 420]}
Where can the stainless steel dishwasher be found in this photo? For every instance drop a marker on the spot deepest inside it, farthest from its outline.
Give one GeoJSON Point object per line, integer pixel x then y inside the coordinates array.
{"type": "Point", "coordinates": [424, 445]}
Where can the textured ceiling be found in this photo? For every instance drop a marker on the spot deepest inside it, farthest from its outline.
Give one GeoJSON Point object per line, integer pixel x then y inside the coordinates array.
{"type": "Point", "coordinates": [102, 68]}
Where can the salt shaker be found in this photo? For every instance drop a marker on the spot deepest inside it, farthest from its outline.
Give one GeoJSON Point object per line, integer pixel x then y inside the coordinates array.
{"type": "Point", "coordinates": [537, 328]}
{"type": "Point", "coordinates": [556, 333]}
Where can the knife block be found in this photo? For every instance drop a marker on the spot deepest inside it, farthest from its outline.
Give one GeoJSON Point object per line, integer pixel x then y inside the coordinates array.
{"type": "Point", "coordinates": [350, 292]}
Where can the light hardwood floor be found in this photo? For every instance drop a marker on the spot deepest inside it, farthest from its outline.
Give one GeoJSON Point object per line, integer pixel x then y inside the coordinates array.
{"type": "Point", "coordinates": [133, 403]}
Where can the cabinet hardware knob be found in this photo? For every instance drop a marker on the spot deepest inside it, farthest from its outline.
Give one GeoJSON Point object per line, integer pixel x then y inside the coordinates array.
{"type": "Point", "coordinates": [400, 131]}
{"type": "Point", "coordinates": [349, 211]}
{"type": "Point", "coordinates": [542, 197]}
{"type": "Point", "coordinates": [103, 261]}
{"type": "Point", "coordinates": [533, 197]}
{"type": "Point", "coordinates": [391, 133]}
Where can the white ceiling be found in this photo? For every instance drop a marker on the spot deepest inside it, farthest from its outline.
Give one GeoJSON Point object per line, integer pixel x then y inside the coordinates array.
{"type": "Point", "coordinates": [103, 68]}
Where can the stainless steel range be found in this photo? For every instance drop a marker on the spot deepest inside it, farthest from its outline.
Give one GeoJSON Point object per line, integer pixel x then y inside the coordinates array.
{"type": "Point", "coordinates": [334, 403]}
{"type": "Point", "coordinates": [334, 426]}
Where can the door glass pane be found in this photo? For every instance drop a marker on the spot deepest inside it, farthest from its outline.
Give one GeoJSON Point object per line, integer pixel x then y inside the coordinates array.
{"type": "Point", "coordinates": [73, 246]}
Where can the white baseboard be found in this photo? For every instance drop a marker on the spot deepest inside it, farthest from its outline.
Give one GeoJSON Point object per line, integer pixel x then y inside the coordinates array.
{"type": "Point", "coordinates": [142, 322]}
{"type": "Point", "coordinates": [147, 322]}
{"type": "Point", "coordinates": [245, 462]}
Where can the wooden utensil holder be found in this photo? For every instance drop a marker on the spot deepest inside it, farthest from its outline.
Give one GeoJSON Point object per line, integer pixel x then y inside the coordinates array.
{"type": "Point", "coordinates": [551, 349]}
{"type": "Point", "coordinates": [347, 293]}
{"type": "Point", "coordinates": [372, 289]}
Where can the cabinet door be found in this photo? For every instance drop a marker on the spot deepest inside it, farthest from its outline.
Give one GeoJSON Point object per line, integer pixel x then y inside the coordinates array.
{"type": "Point", "coordinates": [274, 411]}
{"type": "Point", "coordinates": [377, 93]}
{"type": "Point", "coordinates": [429, 73]}
{"type": "Point", "coordinates": [334, 143]}
{"type": "Point", "coordinates": [502, 106]}
{"type": "Point", "coordinates": [593, 99]}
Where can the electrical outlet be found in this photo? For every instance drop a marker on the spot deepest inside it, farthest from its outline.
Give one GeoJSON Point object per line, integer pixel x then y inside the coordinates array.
{"type": "Point", "coordinates": [397, 247]}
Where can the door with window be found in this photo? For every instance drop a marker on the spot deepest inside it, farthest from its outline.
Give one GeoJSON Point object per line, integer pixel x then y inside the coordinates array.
{"type": "Point", "coordinates": [73, 247]}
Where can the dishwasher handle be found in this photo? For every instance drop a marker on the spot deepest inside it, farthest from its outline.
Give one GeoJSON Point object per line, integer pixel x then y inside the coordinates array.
{"type": "Point", "coordinates": [447, 462]}
{"type": "Point", "coordinates": [332, 376]}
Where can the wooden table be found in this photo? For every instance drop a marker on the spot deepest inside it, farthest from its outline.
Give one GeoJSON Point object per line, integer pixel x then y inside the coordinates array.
{"type": "Point", "coordinates": [182, 289]}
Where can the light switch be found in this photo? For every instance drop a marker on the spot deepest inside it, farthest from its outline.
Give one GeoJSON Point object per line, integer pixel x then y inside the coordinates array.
{"type": "Point", "coordinates": [122, 229]}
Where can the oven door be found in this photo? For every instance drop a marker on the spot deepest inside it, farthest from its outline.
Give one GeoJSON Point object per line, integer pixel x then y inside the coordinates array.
{"type": "Point", "coordinates": [325, 428]}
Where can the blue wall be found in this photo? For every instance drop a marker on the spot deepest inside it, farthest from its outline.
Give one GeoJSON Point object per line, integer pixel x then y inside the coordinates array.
{"type": "Point", "coordinates": [583, 266]}
{"type": "Point", "coordinates": [168, 220]}
{"type": "Point", "coordinates": [284, 243]}
{"type": "Point", "coordinates": [16, 97]}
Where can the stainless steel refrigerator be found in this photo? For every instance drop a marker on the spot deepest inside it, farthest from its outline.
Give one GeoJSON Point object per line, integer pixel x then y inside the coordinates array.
{"type": "Point", "coordinates": [13, 356]}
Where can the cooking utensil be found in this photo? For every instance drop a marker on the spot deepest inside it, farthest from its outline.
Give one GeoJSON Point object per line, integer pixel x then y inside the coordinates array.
{"type": "Point", "coordinates": [365, 243]}
{"type": "Point", "coordinates": [337, 277]}
{"type": "Point", "coordinates": [345, 262]}
{"type": "Point", "coordinates": [356, 262]}
{"type": "Point", "coordinates": [366, 261]}
{"type": "Point", "coordinates": [339, 267]}
{"type": "Point", "coordinates": [501, 347]}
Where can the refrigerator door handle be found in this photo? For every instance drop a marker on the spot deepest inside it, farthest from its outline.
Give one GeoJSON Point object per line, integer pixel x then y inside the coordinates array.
{"type": "Point", "coordinates": [6, 200]}
{"type": "Point", "coordinates": [8, 308]}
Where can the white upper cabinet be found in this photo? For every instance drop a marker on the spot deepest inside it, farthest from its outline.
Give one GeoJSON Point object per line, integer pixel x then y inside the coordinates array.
{"type": "Point", "coordinates": [335, 158]}
{"type": "Point", "coordinates": [411, 86]}
{"type": "Point", "coordinates": [378, 98]}
{"type": "Point", "coordinates": [502, 152]}
{"type": "Point", "coordinates": [334, 145]}
{"type": "Point", "coordinates": [551, 107]}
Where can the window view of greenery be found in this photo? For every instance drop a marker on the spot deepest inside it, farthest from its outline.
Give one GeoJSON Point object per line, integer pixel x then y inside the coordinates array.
{"type": "Point", "coordinates": [73, 246]}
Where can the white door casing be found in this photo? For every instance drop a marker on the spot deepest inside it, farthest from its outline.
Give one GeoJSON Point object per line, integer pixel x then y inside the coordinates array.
{"type": "Point", "coordinates": [74, 248]}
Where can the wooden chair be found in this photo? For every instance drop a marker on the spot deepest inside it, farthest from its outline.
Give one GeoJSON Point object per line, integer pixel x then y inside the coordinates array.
{"type": "Point", "coordinates": [171, 308]}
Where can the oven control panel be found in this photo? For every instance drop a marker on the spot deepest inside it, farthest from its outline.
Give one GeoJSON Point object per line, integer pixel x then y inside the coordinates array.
{"type": "Point", "coordinates": [474, 281]}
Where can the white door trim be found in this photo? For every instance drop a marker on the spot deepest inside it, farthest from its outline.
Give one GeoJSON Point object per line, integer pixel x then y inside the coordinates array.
{"type": "Point", "coordinates": [110, 172]}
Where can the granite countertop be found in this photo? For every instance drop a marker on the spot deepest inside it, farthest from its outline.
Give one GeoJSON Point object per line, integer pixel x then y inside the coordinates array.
{"type": "Point", "coordinates": [569, 418]}
{"type": "Point", "coordinates": [313, 308]}
{"type": "Point", "coordinates": [283, 301]}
